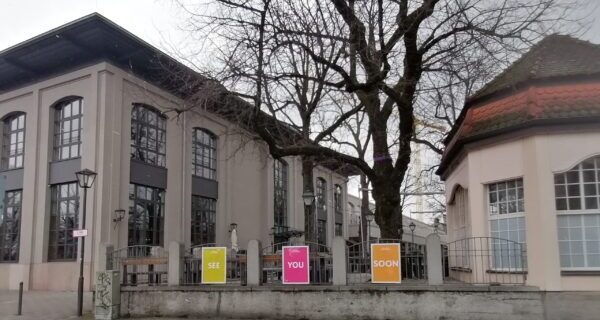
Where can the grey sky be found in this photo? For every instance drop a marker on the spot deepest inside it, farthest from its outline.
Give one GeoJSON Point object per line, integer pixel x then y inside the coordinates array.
{"type": "Point", "coordinates": [151, 20]}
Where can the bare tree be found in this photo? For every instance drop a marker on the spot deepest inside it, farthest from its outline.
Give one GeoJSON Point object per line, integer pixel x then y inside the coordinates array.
{"type": "Point", "coordinates": [390, 55]}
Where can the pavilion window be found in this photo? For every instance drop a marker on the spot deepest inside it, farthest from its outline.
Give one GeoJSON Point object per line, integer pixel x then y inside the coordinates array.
{"type": "Point", "coordinates": [506, 210]}
{"type": "Point", "coordinates": [577, 196]}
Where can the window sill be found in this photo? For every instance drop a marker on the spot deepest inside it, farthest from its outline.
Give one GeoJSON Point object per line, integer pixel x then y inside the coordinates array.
{"type": "Point", "coordinates": [568, 273]}
{"type": "Point", "coordinates": [461, 269]}
{"type": "Point", "coordinates": [492, 271]}
{"type": "Point", "coordinates": [64, 160]}
{"type": "Point", "coordinates": [148, 164]}
{"type": "Point", "coordinates": [12, 169]}
{"type": "Point", "coordinates": [205, 178]}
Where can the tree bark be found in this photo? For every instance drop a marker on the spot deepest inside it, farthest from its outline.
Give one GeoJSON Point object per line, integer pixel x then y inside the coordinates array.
{"type": "Point", "coordinates": [388, 211]}
{"type": "Point", "coordinates": [364, 207]}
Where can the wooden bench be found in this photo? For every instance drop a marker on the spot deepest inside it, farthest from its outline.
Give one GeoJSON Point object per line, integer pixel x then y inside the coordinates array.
{"type": "Point", "coordinates": [154, 277]}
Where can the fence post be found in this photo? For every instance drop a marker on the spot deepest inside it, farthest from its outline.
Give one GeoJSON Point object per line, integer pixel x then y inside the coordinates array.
{"type": "Point", "coordinates": [175, 255]}
{"type": "Point", "coordinates": [339, 261]}
{"type": "Point", "coordinates": [254, 263]}
{"type": "Point", "coordinates": [434, 260]}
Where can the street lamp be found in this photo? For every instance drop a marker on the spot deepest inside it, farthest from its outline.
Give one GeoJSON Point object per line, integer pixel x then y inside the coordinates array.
{"type": "Point", "coordinates": [308, 197]}
{"type": "Point", "coordinates": [85, 179]}
{"type": "Point", "coordinates": [369, 216]}
{"type": "Point", "coordinates": [412, 227]}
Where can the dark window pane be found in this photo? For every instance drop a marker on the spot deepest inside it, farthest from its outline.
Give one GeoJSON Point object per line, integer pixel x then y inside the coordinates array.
{"type": "Point", "coordinates": [145, 216]}
{"type": "Point", "coordinates": [148, 137]}
{"type": "Point", "coordinates": [64, 215]}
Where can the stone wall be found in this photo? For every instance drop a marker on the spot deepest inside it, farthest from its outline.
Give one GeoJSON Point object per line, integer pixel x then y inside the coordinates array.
{"type": "Point", "coordinates": [368, 302]}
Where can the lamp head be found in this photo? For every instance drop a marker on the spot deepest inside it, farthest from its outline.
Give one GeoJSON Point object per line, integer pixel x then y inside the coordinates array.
{"type": "Point", "coordinates": [85, 178]}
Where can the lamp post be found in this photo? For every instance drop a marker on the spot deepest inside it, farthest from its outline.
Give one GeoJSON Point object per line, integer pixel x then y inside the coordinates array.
{"type": "Point", "coordinates": [309, 225]}
{"type": "Point", "coordinates": [369, 216]}
{"type": "Point", "coordinates": [412, 227]}
{"type": "Point", "coordinates": [85, 179]}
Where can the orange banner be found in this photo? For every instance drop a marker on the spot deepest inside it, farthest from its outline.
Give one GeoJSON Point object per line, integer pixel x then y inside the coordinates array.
{"type": "Point", "coordinates": [385, 263]}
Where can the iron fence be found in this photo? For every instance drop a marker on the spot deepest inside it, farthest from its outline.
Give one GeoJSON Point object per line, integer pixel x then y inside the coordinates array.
{"type": "Point", "coordinates": [486, 260]}
{"type": "Point", "coordinates": [140, 265]}
{"type": "Point", "coordinates": [413, 261]}
{"type": "Point", "coordinates": [192, 265]}
{"type": "Point", "coordinates": [320, 262]}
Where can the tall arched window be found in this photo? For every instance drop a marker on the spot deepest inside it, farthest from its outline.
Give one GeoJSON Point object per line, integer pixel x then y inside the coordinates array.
{"type": "Point", "coordinates": [204, 154]}
{"type": "Point", "coordinates": [67, 129]}
{"type": "Point", "coordinates": [337, 205]}
{"type": "Point", "coordinates": [148, 135]}
{"type": "Point", "coordinates": [321, 212]}
{"type": "Point", "coordinates": [14, 141]}
{"type": "Point", "coordinates": [577, 193]}
{"type": "Point", "coordinates": [280, 189]}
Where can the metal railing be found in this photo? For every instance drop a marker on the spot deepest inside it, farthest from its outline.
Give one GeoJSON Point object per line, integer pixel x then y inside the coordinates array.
{"type": "Point", "coordinates": [191, 273]}
{"type": "Point", "coordinates": [320, 262]}
{"type": "Point", "coordinates": [140, 265]}
{"type": "Point", "coordinates": [413, 261]}
{"type": "Point", "coordinates": [486, 260]}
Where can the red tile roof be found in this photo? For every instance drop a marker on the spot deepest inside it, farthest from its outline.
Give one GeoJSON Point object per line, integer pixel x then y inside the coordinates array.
{"type": "Point", "coordinates": [556, 82]}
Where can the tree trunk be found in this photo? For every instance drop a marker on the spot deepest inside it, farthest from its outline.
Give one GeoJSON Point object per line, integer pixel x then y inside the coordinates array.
{"type": "Point", "coordinates": [388, 211]}
{"type": "Point", "coordinates": [309, 211]}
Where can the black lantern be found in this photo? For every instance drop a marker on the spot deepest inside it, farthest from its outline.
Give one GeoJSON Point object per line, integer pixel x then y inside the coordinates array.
{"type": "Point", "coordinates": [85, 178]}
{"type": "Point", "coordinates": [309, 197]}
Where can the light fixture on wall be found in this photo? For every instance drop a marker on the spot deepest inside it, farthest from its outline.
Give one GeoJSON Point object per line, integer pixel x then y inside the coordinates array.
{"type": "Point", "coordinates": [118, 215]}
{"type": "Point", "coordinates": [232, 226]}
{"type": "Point", "coordinates": [436, 224]}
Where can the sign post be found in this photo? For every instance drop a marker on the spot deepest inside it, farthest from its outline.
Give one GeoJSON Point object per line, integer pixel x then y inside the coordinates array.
{"type": "Point", "coordinates": [295, 265]}
{"type": "Point", "coordinates": [385, 263]}
{"type": "Point", "coordinates": [214, 265]}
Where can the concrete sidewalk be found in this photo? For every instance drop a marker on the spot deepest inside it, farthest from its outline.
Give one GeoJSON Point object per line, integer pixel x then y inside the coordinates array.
{"type": "Point", "coordinates": [43, 305]}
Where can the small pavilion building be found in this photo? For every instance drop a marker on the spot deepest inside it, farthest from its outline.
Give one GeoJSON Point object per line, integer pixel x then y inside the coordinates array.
{"type": "Point", "coordinates": [522, 164]}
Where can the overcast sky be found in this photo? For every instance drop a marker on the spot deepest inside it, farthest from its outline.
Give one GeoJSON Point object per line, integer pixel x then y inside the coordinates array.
{"type": "Point", "coordinates": [155, 21]}
{"type": "Point", "coordinates": [151, 20]}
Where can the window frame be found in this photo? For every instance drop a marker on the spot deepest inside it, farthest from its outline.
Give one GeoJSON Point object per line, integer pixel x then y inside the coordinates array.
{"type": "Point", "coordinates": [208, 152]}
{"type": "Point", "coordinates": [156, 224]}
{"type": "Point", "coordinates": [581, 212]}
{"type": "Point", "coordinates": [16, 224]}
{"type": "Point", "coordinates": [321, 193]}
{"type": "Point", "coordinates": [203, 207]}
{"type": "Point", "coordinates": [56, 200]}
{"type": "Point", "coordinates": [59, 129]}
{"type": "Point", "coordinates": [140, 144]}
{"type": "Point", "coordinates": [8, 132]}
{"type": "Point", "coordinates": [280, 193]}
{"type": "Point", "coordinates": [497, 217]}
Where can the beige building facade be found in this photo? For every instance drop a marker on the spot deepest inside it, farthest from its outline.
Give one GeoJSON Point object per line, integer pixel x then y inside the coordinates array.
{"type": "Point", "coordinates": [523, 165]}
{"type": "Point", "coordinates": [161, 176]}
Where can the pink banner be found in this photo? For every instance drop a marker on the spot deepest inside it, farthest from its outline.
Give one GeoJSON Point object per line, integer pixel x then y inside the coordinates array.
{"type": "Point", "coordinates": [295, 265]}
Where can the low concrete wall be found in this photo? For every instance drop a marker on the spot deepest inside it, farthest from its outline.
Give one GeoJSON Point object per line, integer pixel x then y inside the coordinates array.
{"type": "Point", "coordinates": [369, 302]}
